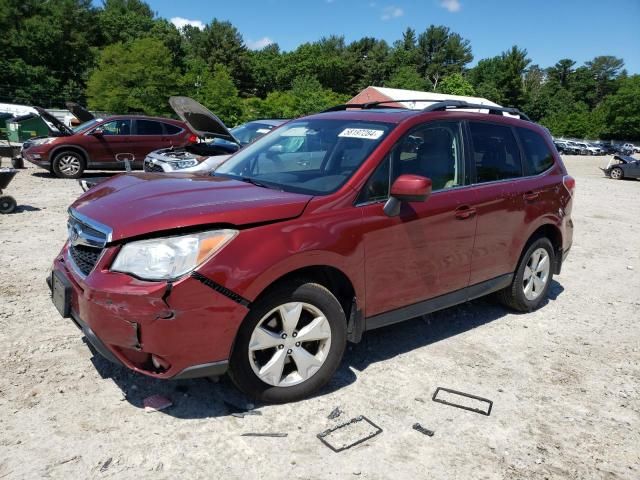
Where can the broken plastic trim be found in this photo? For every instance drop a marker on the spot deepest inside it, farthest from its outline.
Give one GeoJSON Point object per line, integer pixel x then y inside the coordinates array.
{"type": "Point", "coordinates": [221, 289]}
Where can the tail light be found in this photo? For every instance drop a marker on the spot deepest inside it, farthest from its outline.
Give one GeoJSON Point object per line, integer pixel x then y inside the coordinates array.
{"type": "Point", "coordinates": [193, 139]}
{"type": "Point", "coordinates": [569, 183]}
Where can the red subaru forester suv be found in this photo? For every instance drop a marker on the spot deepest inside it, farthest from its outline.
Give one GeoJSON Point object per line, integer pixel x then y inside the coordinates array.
{"type": "Point", "coordinates": [329, 226]}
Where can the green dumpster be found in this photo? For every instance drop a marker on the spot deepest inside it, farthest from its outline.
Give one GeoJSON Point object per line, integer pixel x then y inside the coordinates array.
{"type": "Point", "coordinates": [22, 128]}
{"type": "Point", "coordinates": [4, 117]}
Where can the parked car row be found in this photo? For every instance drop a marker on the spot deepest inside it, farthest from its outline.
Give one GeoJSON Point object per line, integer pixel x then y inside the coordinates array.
{"type": "Point", "coordinates": [572, 147]}
{"type": "Point", "coordinates": [107, 143]}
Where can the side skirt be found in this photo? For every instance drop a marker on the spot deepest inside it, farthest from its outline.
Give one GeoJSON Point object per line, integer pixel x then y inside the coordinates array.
{"type": "Point", "coordinates": [439, 303]}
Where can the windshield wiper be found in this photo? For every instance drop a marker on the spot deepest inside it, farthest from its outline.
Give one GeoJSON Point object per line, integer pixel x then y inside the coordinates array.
{"type": "Point", "coordinates": [255, 182]}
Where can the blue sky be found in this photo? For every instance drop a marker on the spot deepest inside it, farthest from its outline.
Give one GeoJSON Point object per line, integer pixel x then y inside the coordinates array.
{"type": "Point", "coordinates": [548, 29]}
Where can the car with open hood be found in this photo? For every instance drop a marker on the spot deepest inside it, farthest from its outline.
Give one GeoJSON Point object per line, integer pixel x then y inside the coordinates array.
{"type": "Point", "coordinates": [215, 144]}
{"type": "Point", "coordinates": [622, 166]}
{"type": "Point", "coordinates": [331, 225]}
{"type": "Point", "coordinates": [104, 144]}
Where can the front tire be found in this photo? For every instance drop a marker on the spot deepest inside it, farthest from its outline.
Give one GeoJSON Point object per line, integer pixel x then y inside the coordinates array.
{"type": "Point", "coordinates": [7, 204]}
{"type": "Point", "coordinates": [290, 344]}
{"type": "Point", "coordinates": [68, 164]}
{"type": "Point", "coordinates": [531, 282]}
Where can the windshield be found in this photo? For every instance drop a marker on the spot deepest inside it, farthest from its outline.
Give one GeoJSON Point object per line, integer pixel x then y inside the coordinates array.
{"type": "Point", "coordinates": [307, 156]}
{"type": "Point", "coordinates": [85, 125]}
{"type": "Point", "coordinates": [248, 132]}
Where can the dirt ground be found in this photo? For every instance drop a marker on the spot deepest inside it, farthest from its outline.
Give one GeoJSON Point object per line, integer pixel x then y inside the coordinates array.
{"type": "Point", "coordinates": [565, 380]}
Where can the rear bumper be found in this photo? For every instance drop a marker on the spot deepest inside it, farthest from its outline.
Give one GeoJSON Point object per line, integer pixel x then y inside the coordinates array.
{"type": "Point", "coordinates": [188, 327]}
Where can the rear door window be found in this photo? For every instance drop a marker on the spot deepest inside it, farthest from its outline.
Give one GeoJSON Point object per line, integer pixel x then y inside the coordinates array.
{"type": "Point", "coordinates": [538, 157]}
{"type": "Point", "coordinates": [171, 129]}
{"type": "Point", "coordinates": [495, 152]}
{"type": "Point", "coordinates": [148, 127]}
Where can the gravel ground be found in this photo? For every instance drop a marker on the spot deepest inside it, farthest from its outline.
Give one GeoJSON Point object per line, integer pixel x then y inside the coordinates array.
{"type": "Point", "coordinates": [565, 380]}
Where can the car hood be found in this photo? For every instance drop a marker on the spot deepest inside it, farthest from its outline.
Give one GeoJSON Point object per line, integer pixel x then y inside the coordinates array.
{"type": "Point", "coordinates": [79, 112]}
{"type": "Point", "coordinates": [61, 127]}
{"type": "Point", "coordinates": [625, 158]}
{"type": "Point", "coordinates": [139, 204]}
{"type": "Point", "coordinates": [203, 123]}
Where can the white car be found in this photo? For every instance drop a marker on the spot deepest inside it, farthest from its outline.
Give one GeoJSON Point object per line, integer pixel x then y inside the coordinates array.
{"type": "Point", "coordinates": [216, 142]}
{"type": "Point", "coordinates": [631, 147]}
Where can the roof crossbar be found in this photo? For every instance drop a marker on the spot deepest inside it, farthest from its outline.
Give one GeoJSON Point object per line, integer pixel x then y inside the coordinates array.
{"type": "Point", "coordinates": [368, 105]}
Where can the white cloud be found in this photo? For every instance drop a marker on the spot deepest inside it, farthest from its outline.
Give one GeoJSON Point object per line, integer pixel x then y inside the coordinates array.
{"type": "Point", "coordinates": [451, 5]}
{"type": "Point", "coordinates": [180, 22]}
{"type": "Point", "coordinates": [391, 12]}
{"type": "Point", "coordinates": [259, 44]}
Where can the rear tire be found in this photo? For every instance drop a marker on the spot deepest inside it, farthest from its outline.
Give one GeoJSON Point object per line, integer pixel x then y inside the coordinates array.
{"type": "Point", "coordinates": [7, 204]}
{"type": "Point", "coordinates": [269, 363]}
{"type": "Point", "coordinates": [532, 279]}
{"type": "Point", "coordinates": [616, 173]}
{"type": "Point", "coordinates": [68, 164]}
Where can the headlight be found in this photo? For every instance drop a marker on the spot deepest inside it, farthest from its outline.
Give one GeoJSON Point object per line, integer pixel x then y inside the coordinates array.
{"type": "Point", "coordinates": [184, 164]}
{"type": "Point", "coordinates": [170, 257]}
{"type": "Point", "coordinates": [42, 141]}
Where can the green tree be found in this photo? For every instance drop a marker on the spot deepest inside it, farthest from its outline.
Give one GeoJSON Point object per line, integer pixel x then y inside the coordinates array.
{"type": "Point", "coordinates": [561, 71]}
{"type": "Point", "coordinates": [222, 44]}
{"type": "Point", "coordinates": [621, 111]}
{"type": "Point", "coordinates": [407, 78]}
{"type": "Point", "coordinates": [511, 78]}
{"type": "Point", "coordinates": [45, 50]}
{"type": "Point", "coordinates": [442, 52]}
{"type": "Point", "coordinates": [456, 84]}
{"type": "Point", "coordinates": [124, 20]}
{"type": "Point", "coordinates": [604, 70]}
{"type": "Point", "coordinates": [134, 77]}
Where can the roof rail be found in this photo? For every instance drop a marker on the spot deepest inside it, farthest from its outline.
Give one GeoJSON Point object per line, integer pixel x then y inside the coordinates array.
{"type": "Point", "coordinates": [437, 105]}
{"type": "Point", "coordinates": [493, 109]}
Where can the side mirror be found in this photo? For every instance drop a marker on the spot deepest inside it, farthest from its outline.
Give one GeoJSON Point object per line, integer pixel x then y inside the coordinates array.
{"type": "Point", "coordinates": [98, 132]}
{"type": "Point", "coordinates": [407, 188]}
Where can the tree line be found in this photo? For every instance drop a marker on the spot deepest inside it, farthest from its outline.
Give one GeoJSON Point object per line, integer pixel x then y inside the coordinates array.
{"type": "Point", "coordinates": [120, 57]}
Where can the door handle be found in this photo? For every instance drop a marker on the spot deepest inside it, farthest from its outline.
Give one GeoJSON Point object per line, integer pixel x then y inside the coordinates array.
{"type": "Point", "coordinates": [464, 212]}
{"type": "Point", "coordinates": [531, 196]}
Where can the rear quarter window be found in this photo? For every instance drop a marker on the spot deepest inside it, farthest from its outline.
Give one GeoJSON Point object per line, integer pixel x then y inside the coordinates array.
{"type": "Point", "coordinates": [537, 155]}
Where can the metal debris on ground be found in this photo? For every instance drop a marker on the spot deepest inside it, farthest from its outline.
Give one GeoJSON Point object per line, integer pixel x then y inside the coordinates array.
{"type": "Point", "coordinates": [337, 438]}
{"type": "Point", "coordinates": [276, 435]}
{"type": "Point", "coordinates": [419, 428]}
{"type": "Point", "coordinates": [156, 403]}
{"type": "Point", "coordinates": [106, 464]}
{"type": "Point", "coordinates": [335, 413]}
{"type": "Point", "coordinates": [486, 401]}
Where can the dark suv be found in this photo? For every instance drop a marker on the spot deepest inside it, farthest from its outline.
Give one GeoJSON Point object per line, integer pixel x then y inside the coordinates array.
{"type": "Point", "coordinates": [103, 143]}
{"type": "Point", "coordinates": [331, 225]}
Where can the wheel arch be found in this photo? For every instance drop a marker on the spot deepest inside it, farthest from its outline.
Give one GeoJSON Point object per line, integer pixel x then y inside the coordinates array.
{"type": "Point", "coordinates": [72, 148]}
{"type": "Point", "coordinates": [553, 233]}
{"type": "Point", "coordinates": [338, 283]}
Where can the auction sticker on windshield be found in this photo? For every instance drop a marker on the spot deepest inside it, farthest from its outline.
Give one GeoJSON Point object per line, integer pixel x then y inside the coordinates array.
{"type": "Point", "coordinates": [364, 133]}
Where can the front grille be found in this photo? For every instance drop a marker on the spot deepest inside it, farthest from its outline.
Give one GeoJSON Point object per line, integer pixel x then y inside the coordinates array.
{"type": "Point", "coordinates": [87, 240]}
{"type": "Point", "coordinates": [152, 167]}
{"type": "Point", "coordinates": [85, 257]}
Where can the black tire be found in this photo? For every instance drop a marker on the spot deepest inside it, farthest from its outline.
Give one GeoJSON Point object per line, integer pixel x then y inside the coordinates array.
{"type": "Point", "coordinates": [7, 204]}
{"type": "Point", "coordinates": [240, 370]}
{"type": "Point", "coordinates": [62, 161]}
{"type": "Point", "coordinates": [513, 296]}
{"type": "Point", "coordinates": [17, 162]}
{"type": "Point", "coordinates": [618, 175]}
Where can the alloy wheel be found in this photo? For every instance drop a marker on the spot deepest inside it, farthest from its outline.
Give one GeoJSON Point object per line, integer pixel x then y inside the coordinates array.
{"type": "Point", "coordinates": [69, 165]}
{"type": "Point", "coordinates": [616, 173]}
{"type": "Point", "coordinates": [536, 274]}
{"type": "Point", "coordinates": [289, 344]}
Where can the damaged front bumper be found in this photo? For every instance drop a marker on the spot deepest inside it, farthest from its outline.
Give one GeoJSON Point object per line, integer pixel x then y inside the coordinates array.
{"type": "Point", "coordinates": [176, 330]}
